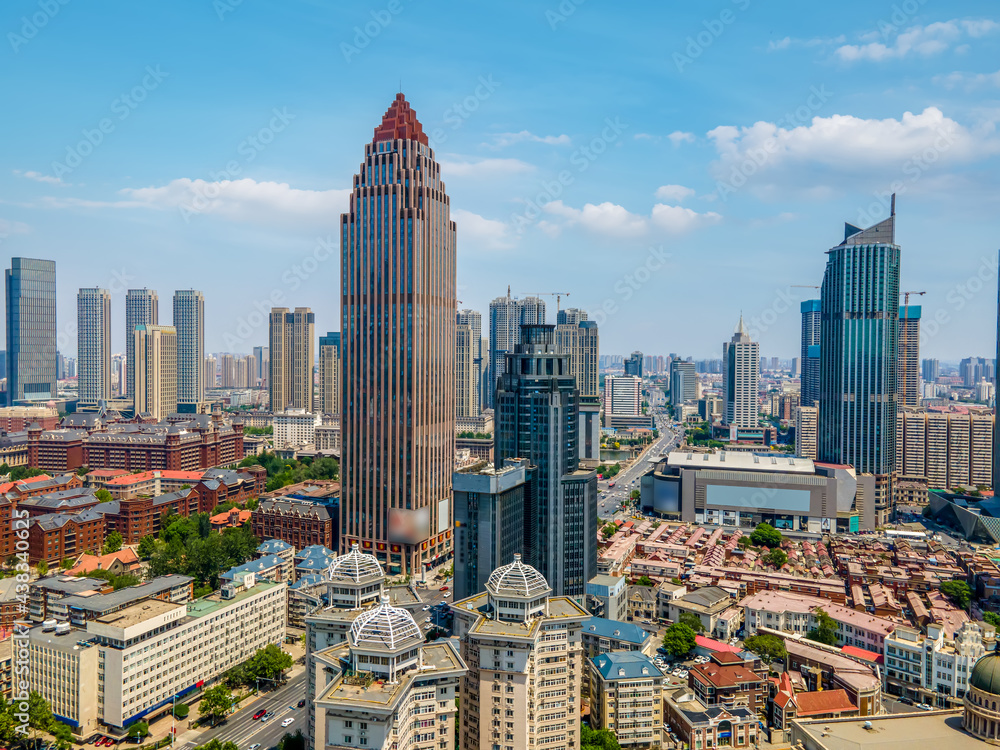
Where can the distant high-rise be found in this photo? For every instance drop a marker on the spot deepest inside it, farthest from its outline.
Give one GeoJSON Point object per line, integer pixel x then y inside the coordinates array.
{"type": "Point", "coordinates": [683, 382]}
{"type": "Point", "coordinates": [812, 316]}
{"type": "Point", "coordinates": [292, 354]}
{"type": "Point", "coordinates": [537, 418]}
{"type": "Point", "coordinates": [155, 349]}
{"type": "Point", "coordinates": [972, 370]}
{"type": "Point", "coordinates": [474, 321]}
{"type": "Point", "coordinates": [581, 342]}
{"type": "Point", "coordinates": [93, 343]}
{"type": "Point", "coordinates": [908, 367]}
{"type": "Point", "coordinates": [507, 315]}
{"type": "Point", "coordinates": [260, 354]}
{"type": "Point", "coordinates": [329, 373]}
{"type": "Point", "coordinates": [622, 395]}
{"type": "Point", "coordinates": [142, 308]}
{"type": "Point", "coordinates": [210, 371]}
{"type": "Point", "coordinates": [741, 379]}
{"type": "Point", "coordinates": [859, 354]}
{"type": "Point", "coordinates": [930, 370]}
{"type": "Point", "coordinates": [398, 282]}
{"type": "Point", "coordinates": [633, 364]}
{"type": "Point", "coordinates": [30, 286]}
{"type": "Point", "coordinates": [570, 316]}
{"type": "Point", "coordinates": [227, 371]}
{"type": "Point", "coordinates": [189, 322]}
{"type": "Point", "coordinates": [806, 426]}
{"type": "Point", "coordinates": [466, 398]}
{"type": "Point", "coordinates": [996, 405]}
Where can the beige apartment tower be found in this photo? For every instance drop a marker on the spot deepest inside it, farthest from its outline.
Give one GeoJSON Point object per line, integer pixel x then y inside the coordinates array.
{"type": "Point", "coordinates": [580, 340]}
{"type": "Point", "coordinates": [155, 350]}
{"type": "Point", "coordinates": [948, 450]}
{"type": "Point", "coordinates": [806, 424]}
{"type": "Point", "coordinates": [398, 357]}
{"type": "Point", "coordinates": [329, 373]}
{"type": "Point", "coordinates": [142, 307]}
{"type": "Point", "coordinates": [290, 378]}
{"type": "Point", "coordinates": [466, 396]}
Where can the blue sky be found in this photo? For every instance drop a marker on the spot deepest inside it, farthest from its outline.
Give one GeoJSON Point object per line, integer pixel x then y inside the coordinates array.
{"type": "Point", "coordinates": [671, 165]}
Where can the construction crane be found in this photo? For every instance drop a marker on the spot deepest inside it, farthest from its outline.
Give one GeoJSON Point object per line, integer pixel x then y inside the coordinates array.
{"type": "Point", "coordinates": [557, 295]}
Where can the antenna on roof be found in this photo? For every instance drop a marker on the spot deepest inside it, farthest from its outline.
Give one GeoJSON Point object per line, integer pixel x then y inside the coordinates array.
{"type": "Point", "coordinates": [892, 205]}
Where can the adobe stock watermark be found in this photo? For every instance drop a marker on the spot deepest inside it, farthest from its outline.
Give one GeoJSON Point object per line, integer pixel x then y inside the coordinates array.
{"type": "Point", "coordinates": [755, 158]}
{"type": "Point", "coordinates": [629, 284]}
{"type": "Point", "coordinates": [714, 28]}
{"type": "Point", "coordinates": [562, 12]}
{"type": "Point", "coordinates": [203, 192]}
{"type": "Point", "coordinates": [456, 115]}
{"type": "Point", "coordinates": [122, 106]}
{"type": "Point", "coordinates": [367, 32]}
{"type": "Point", "coordinates": [581, 158]}
{"type": "Point", "coordinates": [118, 283]}
{"type": "Point", "coordinates": [223, 8]}
{"type": "Point", "coordinates": [291, 279]}
{"type": "Point", "coordinates": [783, 302]}
{"type": "Point", "coordinates": [33, 24]}
{"type": "Point", "coordinates": [959, 296]}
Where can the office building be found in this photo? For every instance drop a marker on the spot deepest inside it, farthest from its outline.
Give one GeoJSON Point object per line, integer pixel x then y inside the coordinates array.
{"type": "Point", "coordinates": [295, 427]}
{"type": "Point", "coordinates": [945, 450]}
{"type": "Point", "coordinates": [806, 435]}
{"type": "Point", "coordinates": [517, 695]}
{"type": "Point", "coordinates": [262, 358]}
{"type": "Point", "coordinates": [908, 367]}
{"type": "Point", "coordinates": [683, 382]}
{"type": "Point", "coordinates": [189, 322]}
{"type": "Point", "coordinates": [930, 370]}
{"type": "Point", "coordinates": [210, 371]}
{"type": "Point", "coordinates": [93, 336]}
{"type": "Point", "coordinates": [489, 521]}
{"type": "Point", "coordinates": [741, 379]}
{"type": "Point", "coordinates": [580, 340]}
{"type": "Point", "coordinates": [155, 385]}
{"type": "Point", "coordinates": [859, 355]}
{"type": "Point", "coordinates": [466, 392]}
{"type": "Point", "coordinates": [622, 395]}
{"type": "Point", "coordinates": [398, 420]}
{"type": "Point", "coordinates": [507, 315]}
{"type": "Point", "coordinates": [30, 295]}
{"type": "Point", "coordinates": [142, 308]}
{"type": "Point", "coordinates": [626, 690]}
{"type": "Point", "coordinates": [972, 370]}
{"type": "Point", "coordinates": [537, 418]}
{"type": "Point", "coordinates": [812, 314]}
{"type": "Point", "coordinates": [633, 364]}
{"type": "Point", "coordinates": [480, 352]}
{"type": "Point", "coordinates": [292, 354]}
{"type": "Point", "coordinates": [329, 374]}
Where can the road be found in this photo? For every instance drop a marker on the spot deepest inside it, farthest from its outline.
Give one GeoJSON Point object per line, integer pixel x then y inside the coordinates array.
{"type": "Point", "coordinates": [608, 504]}
{"type": "Point", "coordinates": [241, 728]}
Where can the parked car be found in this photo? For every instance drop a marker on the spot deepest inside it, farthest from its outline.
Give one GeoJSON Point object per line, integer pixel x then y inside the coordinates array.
{"type": "Point", "coordinates": [925, 707]}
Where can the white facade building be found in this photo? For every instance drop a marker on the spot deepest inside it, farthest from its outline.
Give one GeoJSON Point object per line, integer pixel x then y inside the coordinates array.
{"type": "Point", "coordinates": [295, 427]}
{"type": "Point", "coordinates": [623, 395]}
{"type": "Point", "coordinates": [931, 668]}
{"type": "Point", "coordinates": [741, 379]}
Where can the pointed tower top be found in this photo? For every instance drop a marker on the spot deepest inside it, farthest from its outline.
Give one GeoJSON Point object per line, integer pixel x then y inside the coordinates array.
{"type": "Point", "coordinates": [400, 123]}
{"type": "Point", "coordinates": [740, 328]}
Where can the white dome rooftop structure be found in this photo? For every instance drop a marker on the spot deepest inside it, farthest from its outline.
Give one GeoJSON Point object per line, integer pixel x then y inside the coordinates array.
{"type": "Point", "coordinates": [517, 592]}
{"type": "Point", "coordinates": [355, 566]}
{"type": "Point", "coordinates": [385, 628]}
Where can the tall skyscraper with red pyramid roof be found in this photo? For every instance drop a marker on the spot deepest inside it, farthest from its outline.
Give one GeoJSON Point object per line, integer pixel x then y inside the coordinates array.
{"type": "Point", "coordinates": [398, 351]}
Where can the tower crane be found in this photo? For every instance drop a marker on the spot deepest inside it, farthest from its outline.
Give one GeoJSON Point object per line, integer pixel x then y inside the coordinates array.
{"type": "Point", "coordinates": [557, 295]}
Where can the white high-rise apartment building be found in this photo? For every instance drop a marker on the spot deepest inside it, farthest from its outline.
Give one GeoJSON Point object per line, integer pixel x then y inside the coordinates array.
{"type": "Point", "coordinates": [295, 427]}
{"type": "Point", "coordinates": [292, 352]}
{"type": "Point", "coordinates": [741, 379]}
{"type": "Point", "coordinates": [623, 395]}
{"type": "Point", "coordinates": [189, 320]}
{"type": "Point", "coordinates": [210, 367]}
{"type": "Point", "coordinates": [155, 350]}
{"type": "Point", "coordinates": [93, 309]}
{"type": "Point", "coordinates": [142, 307]}
{"type": "Point", "coordinates": [480, 352]}
{"type": "Point", "coordinates": [806, 424]}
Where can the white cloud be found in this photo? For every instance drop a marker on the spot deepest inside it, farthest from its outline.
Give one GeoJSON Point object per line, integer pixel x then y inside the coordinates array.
{"type": "Point", "coordinates": [502, 140]}
{"type": "Point", "coordinates": [8, 228]}
{"type": "Point", "coordinates": [773, 46]}
{"type": "Point", "coordinates": [480, 232]}
{"type": "Point", "coordinates": [646, 137]}
{"type": "Point", "coordinates": [679, 136]}
{"type": "Point", "coordinates": [483, 168]}
{"type": "Point", "coordinates": [39, 177]}
{"type": "Point", "coordinates": [677, 193]}
{"type": "Point", "coordinates": [921, 41]}
{"type": "Point", "coordinates": [968, 81]}
{"type": "Point", "coordinates": [779, 45]}
{"type": "Point", "coordinates": [614, 220]}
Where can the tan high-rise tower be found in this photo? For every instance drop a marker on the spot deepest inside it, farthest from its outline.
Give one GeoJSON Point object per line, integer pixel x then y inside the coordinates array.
{"type": "Point", "coordinates": [155, 350]}
{"type": "Point", "coordinates": [398, 350]}
{"type": "Point", "coordinates": [329, 373]}
{"type": "Point", "coordinates": [290, 382]}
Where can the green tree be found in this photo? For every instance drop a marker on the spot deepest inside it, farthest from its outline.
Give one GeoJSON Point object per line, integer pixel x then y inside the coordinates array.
{"type": "Point", "coordinates": [139, 729]}
{"type": "Point", "coordinates": [599, 739]}
{"type": "Point", "coordinates": [104, 496]}
{"type": "Point", "coordinates": [63, 735]}
{"type": "Point", "coordinates": [295, 741]}
{"type": "Point", "coordinates": [216, 744]}
{"type": "Point", "coordinates": [959, 592]}
{"type": "Point", "coordinates": [692, 621]}
{"type": "Point", "coordinates": [83, 471]}
{"type": "Point", "coordinates": [992, 618]}
{"type": "Point", "coordinates": [679, 639]}
{"type": "Point", "coordinates": [765, 535]}
{"type": "Point", "coordinates": [825, 630]}
{"type": "Point", "coordinates": [269, 662]}
{"type": "Point", "coordinates": [182, 711]}
{"type": "Point", "coordinates": [42, 567]}
{"type": "Point", "coordinates": [776, 557]}
{"type": "Point", "coordinates": [767, 647]}
{"type": "Point", "coordinates": [635, 495]}
{"type": "Point", "coordinates": [215, 702]}
{"type": "Point", "coordinates": [113, 542]}
{"type": "Point", "coordinates": [744, 542]}
{"type": "Point", "coordinates": [147, 546]}
{"type": "Point", "coordinates": [66, 563]}
{"type": "Point", "coordinates": [645, 581]}
{"type": "Point", "coordinates": [608, 530]}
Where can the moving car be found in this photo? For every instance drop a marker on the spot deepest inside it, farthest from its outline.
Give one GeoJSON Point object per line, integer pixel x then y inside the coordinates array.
{"type": "Point", "coordinates": [287, 721]}
{"type": "Point", "coordinates": [301, 703]}
{"type": "Point", "coordinates": [259, 714]}
{"type": "Point", "coordinates": [268, 715]}
{"type": "Point", "coordinates": [254, 746]}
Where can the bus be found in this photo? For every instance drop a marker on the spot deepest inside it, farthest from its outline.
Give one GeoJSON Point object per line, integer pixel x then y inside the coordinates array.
{"type": "Point", "coordinates": [900, 534]}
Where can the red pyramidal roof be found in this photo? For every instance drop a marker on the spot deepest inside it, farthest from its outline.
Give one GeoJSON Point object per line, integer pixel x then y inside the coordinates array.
{"type": "Point", "coordinates": [400, 122]}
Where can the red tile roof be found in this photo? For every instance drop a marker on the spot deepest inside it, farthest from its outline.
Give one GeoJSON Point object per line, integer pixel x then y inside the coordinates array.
{"type": "Point", "coordinates": [860, 653]}
{"type": "Point", "coordinates": [823, 702]}
{"type": "Point", "coordinates": [145, 476]}
{"type": "Point", "coordinates": [89, 563]}
{"type": "Point", "coordinates": [711, 645]}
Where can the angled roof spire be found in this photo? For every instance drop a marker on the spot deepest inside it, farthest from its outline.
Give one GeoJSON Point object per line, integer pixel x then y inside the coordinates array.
{"type": "Point", "coordinates": [400, 123]}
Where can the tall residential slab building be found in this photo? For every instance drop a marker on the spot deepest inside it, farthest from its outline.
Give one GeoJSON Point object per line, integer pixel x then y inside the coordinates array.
{"type": "Point", "coordinates": [480, 352]}
{"type": "Point", "coordinates": [189, 321]}
{"type": "Point", "coordinates": [859, 354]}
{"type": "Point", "coordinates": [741, 379]}
{"type": "Point", "coordinates": [210, 371]}
{"type": "Point", "coordinates": [292, 353]}
{"type": "Point", "coordinates": [466, 395]}
{"type": "Point", "coordinates": [806, 426]}
{"type": "Point", "coordinates": [908, 367]}
{"type": "Point", "coordinates": [996, 381]}
{"type": "Point", "coordinates": [812, 315]}
{"type": "Point", "coordinates": [683, 382]}
{"type": "Point", "coordinates": [261, 356]}
{"type": "Point", "coordinates": [155, 348]}
{"type": "Point", "coordinates": [537, 418]}
{"type": "Point", "coordinates": [507, 315]}
{"type": "Point", "coordinates": [930, 370]}
{"type": "Point", "coordinates": [329, 373]}
{"type": "Point", "coordinates": [398, 356]}
{"type": "Point", "coordinates": [142, 308]}
{"type": "Point", "coordinates": [93, 343]}
{"type": "Point", "coordinates": [30, 296]}
{"type": "Point", "coordinates": [946, 450]}
{"type": "Point", "coordinates": [579, 338]}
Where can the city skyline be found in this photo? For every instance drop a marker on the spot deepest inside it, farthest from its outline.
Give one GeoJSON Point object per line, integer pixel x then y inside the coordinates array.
{"type": "Point", "coordinates": [503, 145]}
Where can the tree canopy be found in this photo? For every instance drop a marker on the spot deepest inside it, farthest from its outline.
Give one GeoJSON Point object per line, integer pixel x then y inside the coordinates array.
{"type": "Point", "coordinates": [190, 547]}
{"type": "Point", "coordinates": [767, 647]}
{"type": "Point", "coordinates": [765, 535]}
{"type": "Point", "coordinates": [679, 639]}
{"type": "Point", "coordinates": [959, 592]}
{"type": "Point", "coordinates": [599, 739]}
{"type": "Point", "coordinates": [112, 542]}
{"type": "Point", "coordinates": [776, 557]}
{"type": "Point", "coordinates": [825, 630]}
{"type": "Point", "coordinates": [692, 621]}
{"type": "Point", "coordinates": [282, 472]}
{"type": "Point", "coordinates": [215, 702]}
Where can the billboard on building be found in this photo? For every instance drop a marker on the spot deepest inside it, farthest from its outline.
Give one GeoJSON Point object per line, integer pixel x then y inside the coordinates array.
{"type": "Point", "coordinates": [409, 526]}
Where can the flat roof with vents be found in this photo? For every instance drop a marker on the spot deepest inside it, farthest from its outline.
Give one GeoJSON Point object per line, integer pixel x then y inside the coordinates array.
{"type": "Point", "coordinates": [741, 460]}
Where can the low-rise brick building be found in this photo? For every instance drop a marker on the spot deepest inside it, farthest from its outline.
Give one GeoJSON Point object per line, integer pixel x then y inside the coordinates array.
{"type": "Point", "coordinates": [298, 522]}
{"type": "Point", "coordinates": [56, 536]}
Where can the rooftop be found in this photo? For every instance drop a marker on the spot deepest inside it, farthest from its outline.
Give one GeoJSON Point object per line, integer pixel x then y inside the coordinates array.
{"type": "Point", "coordinates": [213, 602]}
{"type": "Point", "coordinates": [622, 631]}
{"type": "Point", "coordinates": [619, 665]}
{"type": "Point", "coordinates": [740, 461]}
{"type": "Point", "coordinates": [137, 613]}
{"type": "Point", "coordinates": [889, 732]}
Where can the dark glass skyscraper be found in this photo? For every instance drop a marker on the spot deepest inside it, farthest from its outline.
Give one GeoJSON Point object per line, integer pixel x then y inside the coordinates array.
{"type": "Point", "coordinates": [633, 364]}
{"type": "Point", "coordinates": [398, 355]}
{"type": "Point", "coordinates": [859, 353]}
{"type": "Point", "coordinates": [30, 286]}
{"type": "Point", "coordinates": [809, 352]}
